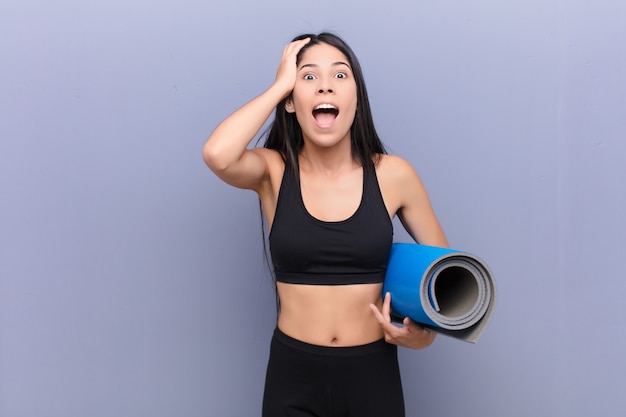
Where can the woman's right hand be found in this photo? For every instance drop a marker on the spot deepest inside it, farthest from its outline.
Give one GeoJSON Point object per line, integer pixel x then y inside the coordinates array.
{"type": "Point", "coordinates": [287, 70]}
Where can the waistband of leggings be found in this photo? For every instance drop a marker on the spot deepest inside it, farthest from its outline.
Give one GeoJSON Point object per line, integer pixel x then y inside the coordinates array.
{"type": "Point", "coordinates": [366, 349]}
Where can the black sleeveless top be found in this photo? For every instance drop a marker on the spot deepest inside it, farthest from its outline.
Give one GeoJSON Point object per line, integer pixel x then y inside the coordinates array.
{"type": "Point", "coordinates": [306, 250]}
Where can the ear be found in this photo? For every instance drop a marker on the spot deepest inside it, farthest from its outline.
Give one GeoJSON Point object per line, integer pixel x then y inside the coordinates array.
{"type": "Point", "coordinates": [289, 106]}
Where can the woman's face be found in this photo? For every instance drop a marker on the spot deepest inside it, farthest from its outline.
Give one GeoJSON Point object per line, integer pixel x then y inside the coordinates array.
{"type": "Point", "coordinates": [324, 95]}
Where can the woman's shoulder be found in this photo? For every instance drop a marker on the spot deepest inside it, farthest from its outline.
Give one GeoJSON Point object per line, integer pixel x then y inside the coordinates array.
{"type": "Point", "coordinates": [394, 168]}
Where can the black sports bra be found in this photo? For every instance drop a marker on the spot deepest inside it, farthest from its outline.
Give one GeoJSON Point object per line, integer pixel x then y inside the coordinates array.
{"type": "Point", "coordinates": [306, 250]}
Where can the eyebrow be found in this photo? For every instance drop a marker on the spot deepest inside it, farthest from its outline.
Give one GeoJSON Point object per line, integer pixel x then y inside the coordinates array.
{"type": "Point", "coordinates": [334, 64]}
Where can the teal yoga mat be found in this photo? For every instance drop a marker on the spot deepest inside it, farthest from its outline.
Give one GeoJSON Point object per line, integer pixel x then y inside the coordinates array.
{"type": "Point", "coordinates": [447, 290]}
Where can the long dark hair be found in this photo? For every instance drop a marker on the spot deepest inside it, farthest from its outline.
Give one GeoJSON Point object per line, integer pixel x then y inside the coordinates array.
{"type": "Point", "coordinates": [285, 134]}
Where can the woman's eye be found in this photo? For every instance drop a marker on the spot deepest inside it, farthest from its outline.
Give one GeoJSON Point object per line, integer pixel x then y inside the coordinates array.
{"type": "Point", "coordinates": [309, 77]}
{"type": "Point", "coordinates": [341, 75]}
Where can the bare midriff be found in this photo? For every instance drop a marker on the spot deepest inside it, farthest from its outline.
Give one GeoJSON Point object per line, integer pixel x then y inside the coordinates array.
{"type": "Point", "coordinates": [330, 315]}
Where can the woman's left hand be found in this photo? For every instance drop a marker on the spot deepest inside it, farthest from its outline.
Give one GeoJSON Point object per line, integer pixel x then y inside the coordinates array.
{"type": "Point", "coordinates": [410, 335]}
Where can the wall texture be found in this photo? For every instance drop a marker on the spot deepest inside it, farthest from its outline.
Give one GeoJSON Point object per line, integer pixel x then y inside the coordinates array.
{"type": "Point", "coordinates": [132, 281]}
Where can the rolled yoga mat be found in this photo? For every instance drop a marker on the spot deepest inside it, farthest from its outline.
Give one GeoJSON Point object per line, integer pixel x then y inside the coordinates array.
{"type": "Point", "coordinates": [446, 290]}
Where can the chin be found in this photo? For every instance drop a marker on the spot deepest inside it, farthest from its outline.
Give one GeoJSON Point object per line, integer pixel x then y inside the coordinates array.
{"type": "Point", "coordinates": [326, 140]}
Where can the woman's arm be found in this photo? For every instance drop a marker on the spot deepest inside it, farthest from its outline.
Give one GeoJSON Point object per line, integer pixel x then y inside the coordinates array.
{"type": "Point", "coordinates": [226, 152]}
{"type": "Point", "coordinates": [415, 210]}
{"type": "Point", "coordinates": [405, 195]}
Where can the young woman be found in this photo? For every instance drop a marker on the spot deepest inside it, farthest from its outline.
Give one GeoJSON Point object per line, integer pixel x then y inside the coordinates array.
{"type": "Point", "coordinates": [329, 193]}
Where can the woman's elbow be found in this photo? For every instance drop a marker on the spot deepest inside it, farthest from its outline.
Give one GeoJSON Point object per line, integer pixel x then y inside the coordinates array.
{"type": "Point", "coordinates": [214, 159]}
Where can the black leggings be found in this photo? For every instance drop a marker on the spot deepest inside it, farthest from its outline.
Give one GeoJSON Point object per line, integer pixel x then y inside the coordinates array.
{"type": "Point", "coordinates": [306, 380]}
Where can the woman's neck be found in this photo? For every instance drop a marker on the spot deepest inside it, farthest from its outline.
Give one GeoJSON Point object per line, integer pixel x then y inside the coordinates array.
{"type": "Point", "coordinates": [328, 161]}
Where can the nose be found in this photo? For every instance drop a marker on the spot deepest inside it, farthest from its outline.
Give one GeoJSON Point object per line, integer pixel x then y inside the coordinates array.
{"type": "Point", "coordinates": [325, 85]}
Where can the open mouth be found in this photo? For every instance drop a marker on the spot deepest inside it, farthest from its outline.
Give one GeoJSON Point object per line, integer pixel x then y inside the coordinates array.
{"type": "Point", "coordinates": [325, 114]}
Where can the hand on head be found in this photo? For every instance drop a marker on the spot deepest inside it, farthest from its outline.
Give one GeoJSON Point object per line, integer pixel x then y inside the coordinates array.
{"type": "Point", "coordinates": [286, 73]}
